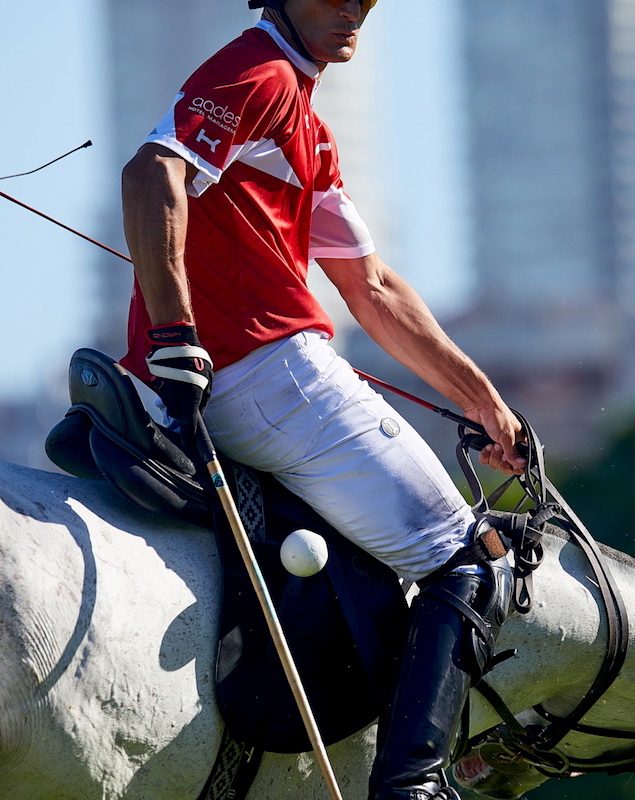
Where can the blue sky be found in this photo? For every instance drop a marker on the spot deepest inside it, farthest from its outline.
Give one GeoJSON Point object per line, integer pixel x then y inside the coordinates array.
{"type": "Point", "coordinates": [53, 59]}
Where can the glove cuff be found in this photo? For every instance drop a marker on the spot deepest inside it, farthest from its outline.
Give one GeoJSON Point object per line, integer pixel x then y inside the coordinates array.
{"type": "Point", "coordinates": [175, 341]}
{"type": "Point", "coordinates": [173, 334]}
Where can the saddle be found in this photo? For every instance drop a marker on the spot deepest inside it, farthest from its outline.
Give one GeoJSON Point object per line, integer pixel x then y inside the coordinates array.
{"type": "Point", "coordinates": [345, 625]}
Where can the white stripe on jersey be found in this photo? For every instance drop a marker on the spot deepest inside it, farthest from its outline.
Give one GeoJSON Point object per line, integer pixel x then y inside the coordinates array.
{"type": "Point", "coordinates": [264, 156]}
{"type": "Point", "coordinates": [267, 157]}
{"type": "Point", "coordinates": [337, 230]}
{"type": "Point", "coordinates": [165, 135]}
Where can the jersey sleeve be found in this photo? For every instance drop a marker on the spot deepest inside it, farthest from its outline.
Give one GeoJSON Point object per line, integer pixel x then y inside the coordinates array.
{"type": "Point", "coordinates": [337, 229]}
{"type": "Point", "coordinates": [216, 119]}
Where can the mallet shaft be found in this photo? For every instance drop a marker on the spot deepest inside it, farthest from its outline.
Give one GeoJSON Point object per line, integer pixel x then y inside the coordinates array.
{"type": "Point", "coordinates": [244, 545]}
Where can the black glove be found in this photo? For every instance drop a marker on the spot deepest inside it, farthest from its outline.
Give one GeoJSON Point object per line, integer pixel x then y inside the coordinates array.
{"type": "Point", "coordinates": [182, 373]}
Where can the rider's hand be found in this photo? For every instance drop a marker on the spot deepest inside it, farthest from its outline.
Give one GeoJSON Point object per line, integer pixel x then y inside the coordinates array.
{"type": "Point", "coordinates": [505, 430]}
{"type": "Point", "coordinates": [182, 374]}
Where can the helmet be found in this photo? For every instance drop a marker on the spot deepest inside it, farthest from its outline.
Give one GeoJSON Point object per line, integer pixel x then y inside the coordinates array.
{"type": "Point", "coordinates": [277, 4]}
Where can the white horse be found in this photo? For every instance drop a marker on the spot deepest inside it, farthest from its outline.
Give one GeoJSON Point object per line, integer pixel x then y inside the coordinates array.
{"type": "Point", "coordinates": [108, 634]}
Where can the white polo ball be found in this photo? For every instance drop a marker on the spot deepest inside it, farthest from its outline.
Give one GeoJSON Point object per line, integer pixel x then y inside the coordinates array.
{"type": "Point", "coordinates": [303, 553]}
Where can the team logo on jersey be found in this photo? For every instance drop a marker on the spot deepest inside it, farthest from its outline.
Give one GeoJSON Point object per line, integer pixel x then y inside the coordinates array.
{"type": "Point", "coordinates": [216, 113]}
{"type": "Point", "coordinates": [203, 138]}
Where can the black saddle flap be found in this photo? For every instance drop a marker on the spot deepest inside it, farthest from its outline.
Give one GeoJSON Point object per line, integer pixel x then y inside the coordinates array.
{"type": "Point", "coordinates": [107, 433]}
{"type": "Point", "coordinates": [102, 388]}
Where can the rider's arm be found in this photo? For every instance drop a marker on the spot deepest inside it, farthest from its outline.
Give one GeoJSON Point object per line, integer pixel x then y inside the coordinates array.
{"type": "Point", "coordinates": [396, 317]}
{"type": "Point", "coordinates": [155, 222]}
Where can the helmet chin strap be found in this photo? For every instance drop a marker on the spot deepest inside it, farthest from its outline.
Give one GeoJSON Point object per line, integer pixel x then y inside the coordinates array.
{"type": "Point", "coordinates": [274, 12]}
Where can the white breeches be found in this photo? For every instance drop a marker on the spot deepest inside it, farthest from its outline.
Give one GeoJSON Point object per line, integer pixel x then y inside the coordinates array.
{"type": "Point", "coordinates": [296, 409]}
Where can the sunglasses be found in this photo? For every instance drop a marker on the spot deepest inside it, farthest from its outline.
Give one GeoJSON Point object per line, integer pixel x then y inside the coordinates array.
{"type": "Point", "coordinates": [366, 4]}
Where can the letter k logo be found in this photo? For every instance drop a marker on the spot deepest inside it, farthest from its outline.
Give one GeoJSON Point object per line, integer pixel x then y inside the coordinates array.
{"type": "Point", "coordinates": [202, 138]}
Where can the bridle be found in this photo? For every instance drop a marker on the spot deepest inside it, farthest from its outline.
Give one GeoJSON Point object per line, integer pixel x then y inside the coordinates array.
{"type": "Point", "coordinates": [537, 744]}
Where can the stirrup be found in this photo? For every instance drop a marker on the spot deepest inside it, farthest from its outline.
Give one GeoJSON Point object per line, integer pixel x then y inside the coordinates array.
{"type": "Point", "coordinates": [418, 793]}
{"type": "Point", "coordinates": [445, 791]}
{"type": "Point", "coordinates": [437, 788]}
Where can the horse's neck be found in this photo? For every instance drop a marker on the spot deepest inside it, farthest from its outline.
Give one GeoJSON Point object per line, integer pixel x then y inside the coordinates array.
{"type": "Point", "coordinates": [561, 643]}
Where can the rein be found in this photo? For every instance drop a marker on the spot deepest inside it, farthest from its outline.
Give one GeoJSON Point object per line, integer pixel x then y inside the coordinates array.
{"type": "Point", "coordinates": [535, 743]}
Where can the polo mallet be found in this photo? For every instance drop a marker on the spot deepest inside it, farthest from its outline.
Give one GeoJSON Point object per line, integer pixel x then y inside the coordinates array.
{"type": "Point", "coordinates": [208, 453]}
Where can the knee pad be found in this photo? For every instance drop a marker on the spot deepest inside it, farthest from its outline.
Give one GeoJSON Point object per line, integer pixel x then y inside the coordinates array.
{"type": "Point", "coordinates": [482, 601]}
{"type": "Point", "coordinates": [493, 606]}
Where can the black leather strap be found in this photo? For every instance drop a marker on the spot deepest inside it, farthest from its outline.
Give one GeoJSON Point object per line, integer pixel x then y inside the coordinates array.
{"type": "Point", "coordinates": [525, 532]}
{"type": "Point", "coordinates": [234, 770]}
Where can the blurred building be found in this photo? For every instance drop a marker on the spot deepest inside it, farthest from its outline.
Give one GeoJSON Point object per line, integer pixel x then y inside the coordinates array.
{"type": "Point", "coordinates": [349, 101]}
{"type": "Point", "coordinates": [153, 47]}
{"type": "Point", "coordinates": [550, 135]}
{"type": "Point", "coordinates": [622, 98]}
{"type": "Point", "coordinates": [551, 222]}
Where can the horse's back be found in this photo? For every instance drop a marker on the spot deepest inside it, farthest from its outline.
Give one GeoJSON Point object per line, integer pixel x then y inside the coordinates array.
{"type": "Point", "coordinates": [108, 636]}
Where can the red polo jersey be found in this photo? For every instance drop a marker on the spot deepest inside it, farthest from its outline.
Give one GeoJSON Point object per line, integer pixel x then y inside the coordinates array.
{"type": "Point", "coordinates": [267, 197]}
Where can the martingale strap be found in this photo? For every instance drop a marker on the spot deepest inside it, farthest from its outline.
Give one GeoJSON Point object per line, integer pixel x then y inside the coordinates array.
{"type": "Point", "coordinates": [525, 532]}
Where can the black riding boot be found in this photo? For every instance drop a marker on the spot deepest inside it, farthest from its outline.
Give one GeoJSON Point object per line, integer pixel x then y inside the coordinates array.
{"type": "Point", "coordinates": [447, 649]}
